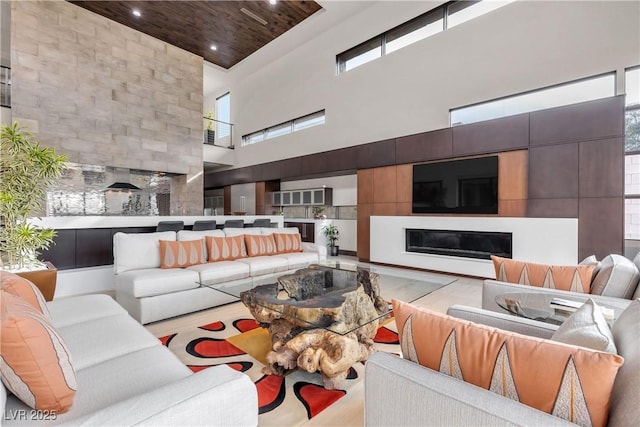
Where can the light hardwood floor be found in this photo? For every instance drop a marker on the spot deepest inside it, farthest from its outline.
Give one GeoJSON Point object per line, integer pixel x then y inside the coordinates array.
{"type": "Point", "coordinates": [348, 411]}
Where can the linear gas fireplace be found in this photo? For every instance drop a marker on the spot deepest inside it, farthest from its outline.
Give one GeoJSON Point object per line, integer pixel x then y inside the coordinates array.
{"type": "Point", "coordinates": [467, 244]}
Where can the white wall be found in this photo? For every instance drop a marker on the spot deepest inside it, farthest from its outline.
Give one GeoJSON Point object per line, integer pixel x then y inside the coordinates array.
{"type": "Point", "coordinates": [519, 47]}
{"type": "Point", "coordinates": [345, 187]}
{"type": "Point", "coordinates": [5, 115]}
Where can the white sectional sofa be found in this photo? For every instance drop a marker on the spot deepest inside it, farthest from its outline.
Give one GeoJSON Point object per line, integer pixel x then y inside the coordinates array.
{"type": "Point", "coordinates": [150, 293]}
{"type": "Point", "coordinates": [125, 376]}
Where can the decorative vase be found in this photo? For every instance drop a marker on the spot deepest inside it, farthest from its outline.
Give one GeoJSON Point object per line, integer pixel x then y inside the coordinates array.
{"type": "Point", "coordinates": [333, 250]}
{"type": "Point", "coordinates": [44, 279]}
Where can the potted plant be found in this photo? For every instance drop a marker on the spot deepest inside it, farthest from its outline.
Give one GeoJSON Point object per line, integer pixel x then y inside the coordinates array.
{"type": "Point", "coordinates": [318, 212]}
{"type": "Point", "coordinates": [331, 233]}
{"type": "Point", "coordinates": [209, 133]}
{"type": "Point", "coordinates": [26, 170]}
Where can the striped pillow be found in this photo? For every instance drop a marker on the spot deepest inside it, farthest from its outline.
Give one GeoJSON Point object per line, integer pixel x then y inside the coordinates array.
{"type": "Point", "coordinates": [289, 242]}
{"type": "Point", "coordinates": [23, 288]}
{"type": "Point", "coordinates": [258, 245]}
{"type": "Point", "coordinates": [576, 278]}
{"type": "Point", "coordinates": [35, 365]}
{"type": "Point", "coordinates": [226, 248]}
{"type": "Point", "coordinates": [178, 254]}
{"type": "Point", "coordinates": [570, 382]}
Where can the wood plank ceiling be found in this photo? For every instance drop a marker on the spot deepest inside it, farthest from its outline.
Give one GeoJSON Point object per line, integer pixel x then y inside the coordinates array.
{"type": "Point", "coordinates": [197, 25]}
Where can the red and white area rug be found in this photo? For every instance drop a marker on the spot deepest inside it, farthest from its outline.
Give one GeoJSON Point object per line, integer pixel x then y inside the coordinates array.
{"type": "Point", "coordinates": [242, 344]}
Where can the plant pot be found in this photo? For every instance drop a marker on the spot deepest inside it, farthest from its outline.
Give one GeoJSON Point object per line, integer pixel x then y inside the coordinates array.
{"type": "Point", "coordinates": [45, 280]}
{"type": "Point", "coordinates": [333, 250]}
{"type": "Point", "coordinates": [209, 137]}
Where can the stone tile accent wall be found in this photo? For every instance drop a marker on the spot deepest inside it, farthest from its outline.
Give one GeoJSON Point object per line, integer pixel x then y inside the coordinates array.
{"type": "Point", "coordinates": [106, 94]}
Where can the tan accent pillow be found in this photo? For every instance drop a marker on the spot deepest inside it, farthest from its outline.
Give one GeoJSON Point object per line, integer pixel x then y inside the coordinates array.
{"type": "Point", "coordinates": [35, 365]}
{"type": "Point", "coordinates": [586, 327]}
{"type": "Point", "coordinates": [286, 243]}
{"type": "Point", "coordinates": [226, 248]}
{"type": "Point", "coordinates": [576, 278]}
{"type": "Point", "coordinates": [258, 245]}
{"type": "Point", "coordinates": [178, 254]}
{"type": "Point", "coordinates": [569, 382]}
{"type": "Point", "coordinates": [23, 288]}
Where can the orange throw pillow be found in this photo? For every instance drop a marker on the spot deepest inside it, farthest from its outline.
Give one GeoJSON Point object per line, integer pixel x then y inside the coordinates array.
{"type": "Point", "coordinates": [259, 244]}
{"type": "Point", "coordinates": [23, 288]}
{"type": "Point", "coordinates": [181, 253]}
{"type": "Point", "coordinates": [226, 248]}
{"type": "Point", "coordinates": [288, 242]}
{"type": "Point", "coordinates": [569, 382]}
{"type": "Point", "coordinates": [575, 278]}
{"type": "Point", "coordinates": [36, 363]}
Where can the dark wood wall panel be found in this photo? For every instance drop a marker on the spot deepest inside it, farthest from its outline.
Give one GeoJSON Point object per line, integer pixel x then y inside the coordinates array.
{"type": "Point", "coordinates": [552, 208]}
{"type": "Point", "coordinates": [426, 146]}
{"type": "Point", "coordinates": [63, 252]}
{"type": "Point", "coordinates": [94, 247]}
{"type": "Point", "coordinates": [553, 171]}
{"type": "Point", "coordinates": [602, 168]}
{"type": "Point", "coordinates": [314, 164]}
{"type": "Point", "coordinates": [376, 154]}
{"type": "Point", "coordinates": [600, 227]}
{"type": "Point", "coordinates": [260, 198]}
{"type": "Point", "coordinates": [344, 159]}
{"type": "Point", "coordinates": [509, 133]}
{"type": "Point", "coordinates": [365, 186]}
{"type": "Point", "coordinates": [226, 199]}
{"type": "Point", "coordinates": [291, 168]}
{"type": "Point", "coordinates": [578, 122]}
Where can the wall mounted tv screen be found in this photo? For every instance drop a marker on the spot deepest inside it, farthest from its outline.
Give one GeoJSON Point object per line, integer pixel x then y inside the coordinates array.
{"type": "Point", "coordinates": [467, 186]}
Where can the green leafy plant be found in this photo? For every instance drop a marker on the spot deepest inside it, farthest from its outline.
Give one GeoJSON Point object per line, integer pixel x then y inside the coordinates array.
{"type": "Point", "coordinates": [209, 117]}
{"type": "Point", "coordinates": [317, 211]}
{"type": "Point", "coordinates": [331, 232]}
{"type": "Point", "coordinates": [27, 169]}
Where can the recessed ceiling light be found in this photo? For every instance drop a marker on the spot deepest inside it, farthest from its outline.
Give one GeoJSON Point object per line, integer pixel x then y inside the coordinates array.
{"type": "Point", "coordinates": [273, 1]}
{"type": "Point", "coordinates": [213, 47]}
{"type": "Point", "coordinates": [136, 13]}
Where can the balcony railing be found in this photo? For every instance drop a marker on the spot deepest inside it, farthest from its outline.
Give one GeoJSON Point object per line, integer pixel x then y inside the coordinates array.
{"type": "Point", "coordinates": [218, 133]}
{"type": "Point", "coordinates": [5, 87]}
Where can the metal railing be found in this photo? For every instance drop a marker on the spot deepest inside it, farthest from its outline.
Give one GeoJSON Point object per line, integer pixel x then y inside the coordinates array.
{"type": "Point", "coordinates": [218, 133]}
{"type": "Point", "coordinates": [5, 86]}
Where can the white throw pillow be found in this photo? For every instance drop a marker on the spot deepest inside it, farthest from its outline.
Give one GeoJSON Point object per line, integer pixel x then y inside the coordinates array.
{"type": "Point", "coordinates": [587, 327]}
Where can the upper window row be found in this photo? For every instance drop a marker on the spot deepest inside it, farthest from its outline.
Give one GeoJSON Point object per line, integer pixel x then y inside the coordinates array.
{"type": "Point", "coordinates": [434, 21]}
{"type": "Point", "coordinates": [294, 125]}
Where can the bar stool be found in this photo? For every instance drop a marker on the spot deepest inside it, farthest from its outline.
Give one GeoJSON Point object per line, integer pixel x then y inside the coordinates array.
{"type": "Point", "coordinates": [234, 223]}
{"type": "Point", "coordinates": [170, 226]}
{"type": "Point", "coordinates": [204, 225]}
{"type": "Point", "coordinates": [263, 222]}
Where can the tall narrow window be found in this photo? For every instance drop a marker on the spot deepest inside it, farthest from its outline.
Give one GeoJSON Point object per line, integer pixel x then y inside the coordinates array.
{"type": "Point", "coordinates": [223, 116]}
{"type": "Point", "coordinates": [361, 54]}
{"type": "Point", "coordinates": [415, 30]}
{"type": "Point", "coordinates": [632, 163]}
{"type": "Point", "coordinates": [463, 11]}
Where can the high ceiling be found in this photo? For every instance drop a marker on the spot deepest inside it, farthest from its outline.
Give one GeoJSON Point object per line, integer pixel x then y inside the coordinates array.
{"type": "Point", "coordinates": [236, 28]}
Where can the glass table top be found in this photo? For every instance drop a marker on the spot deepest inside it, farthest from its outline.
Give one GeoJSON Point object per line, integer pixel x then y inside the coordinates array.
{"type": "Point", "coordinates": [340, 278]}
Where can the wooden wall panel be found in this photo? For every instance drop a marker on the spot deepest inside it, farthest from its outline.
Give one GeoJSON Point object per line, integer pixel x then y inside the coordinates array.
{"type": "Point", "coordinates": [260, 198]}
{"type": "Point", "coordinates": [600, 227]}
{"type": "Point", "coordinates": [365, 186]}
{"type": "Point", "coordinates": [492, 136]}
{"type": "Point", "coordinates": [226, 198]}
{"type": "Point", "coordinates": [364, 221]}
{"type": "Point", "coordinates": [384, 185]}
{"type": "Point", "coordinates": [376, 154]}
{"type": "Point", "coordinates": [404, 183]}
{"type": "Point", "coordinates": [425, 146]}
{"type": "Point", "coordinates": [552, 208]}
{"type": "Point", "coordinates": [602, 168]}
{"type": "Point", "coordinates": [516, 208]}
{"type": "Point", "coordinates": [384, 209]}
{"type": "Point", "coordinates": [513, 167]}
{"type": "Point", "coordinates": [553, 171]}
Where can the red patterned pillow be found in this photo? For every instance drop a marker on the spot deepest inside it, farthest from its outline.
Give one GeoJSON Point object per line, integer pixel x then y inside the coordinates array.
{"type": "Point", "coordinates": [181, 253]}
{"type": "Point", "coordinates": [226, 248]}
{"type": "Point", "coordinates": [288, 242]}
{"type": "Point", "coordinates": [569, 382]}
{"type": "Point", "coordinates": [258, 245]}
{"type": "Point", "coordinates": [576, 278]}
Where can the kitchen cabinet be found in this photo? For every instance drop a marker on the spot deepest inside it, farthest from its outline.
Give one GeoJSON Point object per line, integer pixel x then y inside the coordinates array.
{"type": "Point", "coordinates": [304, 197]}
{"type": "Point", "coordinates": [307, 230]}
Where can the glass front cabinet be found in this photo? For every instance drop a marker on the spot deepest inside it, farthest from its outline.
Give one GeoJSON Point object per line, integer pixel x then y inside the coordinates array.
{"type": "Point", "coordinates": [306, 197]}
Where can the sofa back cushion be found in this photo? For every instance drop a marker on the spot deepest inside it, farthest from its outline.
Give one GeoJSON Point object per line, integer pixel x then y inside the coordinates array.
{"type": "Point", "coordinates": [617, 277]}
{"type": "Point", "coordinates": [576, 278]}
{"type": "Point", "coordinates": [625, 410]}
{"type": "Point", "coordinates": [23, 288]}
{"type": "Point", "coordinates": [226, 248]}
{"type": "Point", "coordinates": [36, 365]}
{"type": "Point", "coordinates": [134, 251]}
{"type": "Point", "coordinates": [282, 230]}
{"type": "Point", "coordinates": [259, 245]}
{"type": "Point", "coordinates": [197, 235]}
{"type": "Point", "coordinates": [586, 327]}
{"type": "Point", "coordinates": [230, 232]}
{"type": "Point", "coordinates": [566, 381]}
{"type": "Point", "coordinates": [180, 254]}
{"type": "Point", "coordinates": [288, 242]}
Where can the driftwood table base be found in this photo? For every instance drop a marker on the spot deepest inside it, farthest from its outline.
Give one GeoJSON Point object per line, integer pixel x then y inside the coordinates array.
{"type": "Point", "coordinates": [319, 319]}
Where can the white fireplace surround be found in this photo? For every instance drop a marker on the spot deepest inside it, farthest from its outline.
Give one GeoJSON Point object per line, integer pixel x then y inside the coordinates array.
{"type": "Point", "coordinates": [542, 240]}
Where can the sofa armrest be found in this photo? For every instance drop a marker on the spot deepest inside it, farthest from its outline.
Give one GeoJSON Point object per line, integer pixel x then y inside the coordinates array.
{"type": "Point", "coordinates": [507, 322]}
{"type": "Point", "coordinates": [492, 288]}
{"type": "Point", "coordinates": [402, 393]}
{"type": "Point", "coordinates": [214, 396]}
{"type": "Point", "coordinates": [321, 250]}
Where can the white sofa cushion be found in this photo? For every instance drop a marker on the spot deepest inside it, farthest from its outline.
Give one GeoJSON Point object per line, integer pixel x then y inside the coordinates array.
{"type": "Point", "coordinates": [284, 230]}
{"type": "Point", "coordinates": [267, 264]}
{"type": "Point", "coordinates": [72, 310]}
{"type": "Point", "coordinates": [618, 277]}
{"type": "Point", "coordinates": [241, 231]}
{"type": "Point", "coordinates": [156, 281]}
{"type": "Point", "coordinates": [299, 259]}
{"type": "Point", "coordinates": [221, 271]}
{"type": "Point", "coordinates": [105, 338]}
{"type": "Point", "coordinates": [133, 251]}
{"type": "Point", "coordinates": [196, 235]}
{"type": "Point", "coordinates": [586, 327]}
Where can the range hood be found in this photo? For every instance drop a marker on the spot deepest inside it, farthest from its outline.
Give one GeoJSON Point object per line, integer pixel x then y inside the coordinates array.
{"type": "Point", "coordinates": [122, 181]}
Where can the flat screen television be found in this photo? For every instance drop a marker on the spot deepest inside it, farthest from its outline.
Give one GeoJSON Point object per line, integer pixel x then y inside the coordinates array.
{"type": "Point", "coordinates": [468, 186]}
